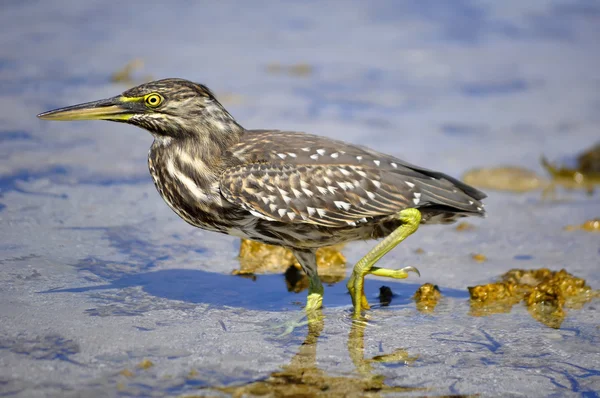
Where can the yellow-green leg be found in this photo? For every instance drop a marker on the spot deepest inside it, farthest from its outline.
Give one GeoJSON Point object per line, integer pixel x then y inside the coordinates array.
{"type": "Point", "coordinates": [312, 312]}
{"type": "Point", "coordinates": [411, 218]}
{"type": "Point", "coordinates": [308, 261]}
{"type": "Point", "coordinates": [314, 301]}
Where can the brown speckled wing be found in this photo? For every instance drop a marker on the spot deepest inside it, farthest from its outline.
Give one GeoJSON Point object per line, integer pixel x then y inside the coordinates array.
{"type": "Point", "coordinates": [328, 195]}
{"type": "Point", "coordinates": [294, 177]}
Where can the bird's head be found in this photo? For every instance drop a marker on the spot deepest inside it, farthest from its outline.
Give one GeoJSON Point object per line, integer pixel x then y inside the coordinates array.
{"type": "Point", "coordinates": [168, 108]}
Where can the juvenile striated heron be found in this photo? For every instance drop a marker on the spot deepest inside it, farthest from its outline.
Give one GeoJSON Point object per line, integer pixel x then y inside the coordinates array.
{"type": "Point", "coordinates": [283, 188]}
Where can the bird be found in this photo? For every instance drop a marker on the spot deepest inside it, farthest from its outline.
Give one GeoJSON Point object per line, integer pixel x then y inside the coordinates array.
{"type": "Point", "coordinates": [284, 188]}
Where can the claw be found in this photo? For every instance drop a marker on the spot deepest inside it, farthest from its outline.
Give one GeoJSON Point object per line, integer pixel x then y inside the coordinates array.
{"type": "Point", "coordinates": [413, 269]}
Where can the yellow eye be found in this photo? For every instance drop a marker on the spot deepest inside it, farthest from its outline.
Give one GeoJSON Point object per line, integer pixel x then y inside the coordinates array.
{"type": "Point", "coordinates": [153, 100]}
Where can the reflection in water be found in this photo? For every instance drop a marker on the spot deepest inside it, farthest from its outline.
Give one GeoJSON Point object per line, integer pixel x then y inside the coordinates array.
{"type": "Point", "coordinates": [302, 377]}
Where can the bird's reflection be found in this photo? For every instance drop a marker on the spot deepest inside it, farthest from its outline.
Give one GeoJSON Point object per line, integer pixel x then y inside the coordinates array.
{"type": "Point", "coordinates": [302, 377]}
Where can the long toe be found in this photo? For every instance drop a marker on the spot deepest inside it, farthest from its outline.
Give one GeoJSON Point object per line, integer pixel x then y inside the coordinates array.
{"type": "Point", "coordinates": [289, 326]}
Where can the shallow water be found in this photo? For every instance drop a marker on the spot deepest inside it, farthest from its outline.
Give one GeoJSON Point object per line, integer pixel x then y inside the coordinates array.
{"type": "Point", "coordinates": [97, 274]}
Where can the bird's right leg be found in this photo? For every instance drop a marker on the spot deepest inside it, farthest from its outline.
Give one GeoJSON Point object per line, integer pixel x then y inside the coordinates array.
{"type": "Point", "coordinates": [411, 219]}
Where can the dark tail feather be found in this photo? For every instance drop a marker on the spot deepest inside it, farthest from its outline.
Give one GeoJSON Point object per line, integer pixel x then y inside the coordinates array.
{"type": "Point", "coordinates": [446, 193]}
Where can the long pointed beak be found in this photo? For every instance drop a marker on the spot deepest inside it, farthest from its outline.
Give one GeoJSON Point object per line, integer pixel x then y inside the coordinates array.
{"type": "Point", "coordinates": [107, 109]}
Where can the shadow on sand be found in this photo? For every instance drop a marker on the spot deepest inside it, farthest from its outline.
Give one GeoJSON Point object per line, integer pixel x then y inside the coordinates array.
{"type": "Point", "coordinates": [264, 292]}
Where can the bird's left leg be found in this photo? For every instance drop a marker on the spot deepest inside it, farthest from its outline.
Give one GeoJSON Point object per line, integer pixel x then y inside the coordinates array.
{"type": "Point", "coordinates": [411, 218]}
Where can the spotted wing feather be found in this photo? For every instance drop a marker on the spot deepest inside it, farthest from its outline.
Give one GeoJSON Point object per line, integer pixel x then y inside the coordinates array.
{"type": "Point", "coordinates": [296, 177]}
{"type": "Point", "coordinates": [333, 196]}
